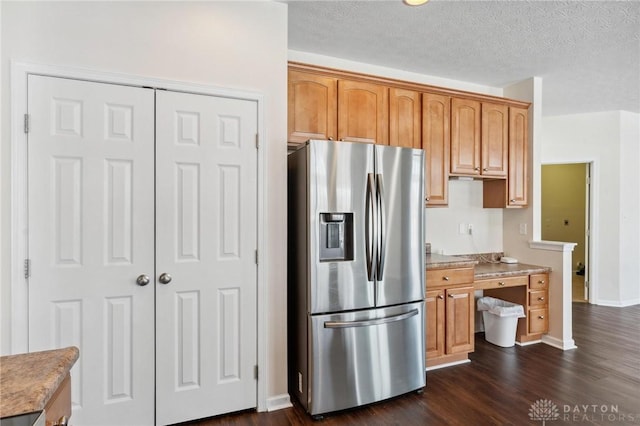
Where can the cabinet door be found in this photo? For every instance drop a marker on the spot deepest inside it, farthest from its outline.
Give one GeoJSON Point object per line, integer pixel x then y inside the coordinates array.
{"type": "Point", "coordinates": [459, 320]}
{"type": "Point", "coordinates": [363, 110]}
{"type": "Point", "coordinates": [434, 326]}
{"type": "Point", "coordinates": [518, 157]}
{"type": "Point", "coordinates": [312, 107]}
{"type": "Point", "coordinates": [465, 137]}
{"type": "Point", "coordinates": [436, 110]}
{"type": "Point", "coordinates": [404, 118]}
{"type": "Point", "coordinates": [495, 139]}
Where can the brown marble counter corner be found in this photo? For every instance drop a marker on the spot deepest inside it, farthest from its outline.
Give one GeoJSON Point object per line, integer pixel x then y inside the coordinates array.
{"type": "Point", "coordinates": [441, 261]}
{"type": "Point", "coordinates": [485, 271]}
{"type": "Point", "coordinates": [28, 381]}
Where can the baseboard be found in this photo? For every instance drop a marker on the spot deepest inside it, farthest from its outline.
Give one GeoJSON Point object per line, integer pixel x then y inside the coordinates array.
{"type": "Point", "coordinates": [448, 364]}
{"type": "Point", "coordinates": [279, 402]}
{"type": "Point", "coordinates": [618, 303]}
{"type": "Point", "coordinates": [531, 342]}
{"type": "Point", "coordinates": [560, 344]}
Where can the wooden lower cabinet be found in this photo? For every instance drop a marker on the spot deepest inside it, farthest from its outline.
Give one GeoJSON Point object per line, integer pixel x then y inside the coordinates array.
{"type": "Point", "coordinates": [533, 294]}
{"type": "Point", "coordinates": [59, 405]}
{"type": "Point", "coordinates": [449, 328]}
{"type": "Point", "coordinates": [434, 327]}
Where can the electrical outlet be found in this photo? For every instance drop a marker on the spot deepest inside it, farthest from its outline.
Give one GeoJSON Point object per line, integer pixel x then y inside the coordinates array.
{"type": "Point", "coordinates": [462, 228]}
{"type": "Point", "coordinates": [470, 229]}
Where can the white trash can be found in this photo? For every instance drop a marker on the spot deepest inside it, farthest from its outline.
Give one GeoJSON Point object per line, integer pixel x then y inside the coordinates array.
{"type": "Point", "coordinates": [500, 320]}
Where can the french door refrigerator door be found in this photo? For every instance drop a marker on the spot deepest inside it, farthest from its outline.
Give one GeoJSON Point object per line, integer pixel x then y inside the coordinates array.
{"type": "Point", "coordinates": [338, 176]}
{"type": "Point", "coordinates": [366, 356]}
{"type": "Point", "coordinates": [400, 255]}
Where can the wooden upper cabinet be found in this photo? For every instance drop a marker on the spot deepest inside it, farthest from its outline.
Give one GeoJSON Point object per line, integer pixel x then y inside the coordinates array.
{"type": "Point", "coordinates": [312, 107]}
{"type": "Point", "coordinates": [512, 192]}
{"type": "Point", "coordinates": [436, 110]}
{"type": "Point", "coordinates": [363, 111]}
{"type": "Point", "coordinates": [465, 136]}
{"type": "Point", "coordinates": [404, 118]}
{"type": "Point", "coordinates": [518, 157]}
{"type": "Point", "coordinates": [495, 140]}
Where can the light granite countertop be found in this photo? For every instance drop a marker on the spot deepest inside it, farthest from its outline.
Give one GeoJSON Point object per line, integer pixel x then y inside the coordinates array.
{"type": "Point", "coordinates": [442, 261]}
{"type": "Point", "coordinates": [27, 381]}
{"type": "Point", "coordinates": [483, 270]}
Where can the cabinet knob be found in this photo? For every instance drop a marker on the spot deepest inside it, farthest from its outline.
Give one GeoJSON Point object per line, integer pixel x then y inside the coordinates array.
{"type": "Point", "coordinates": [513, 200]}
{"type": "Point", "coordinates": [451, 295]}
{"type": "Point", "coordinates": [330, 138]}
{"type": "Point", "coordinates": [485, 169]}
{"type": "Point", "coordinates": [541, 316]}
{"type": "Point", "coordinates": [541, 298]}
{"type": "Point", "coordinates": [501, 284]}
{"type": "Point", "coordinates": [445, 278]}
{"type": "Point", "coordinates": [477, 169]}
{"type": "Point", "coordinates": [541, 282]}
{"type": "Point", "coordinates": [440, 297]}
{"type": "Point", "coordinates": [427, 198]}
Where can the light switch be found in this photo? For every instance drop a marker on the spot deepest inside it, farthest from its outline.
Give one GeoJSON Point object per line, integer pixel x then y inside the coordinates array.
{"type": "Point", "coordinates": [523, 229]}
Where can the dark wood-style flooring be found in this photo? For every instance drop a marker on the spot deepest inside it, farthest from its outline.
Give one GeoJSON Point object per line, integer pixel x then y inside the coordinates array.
{"type": "Point", "coordinates": [598, 383]}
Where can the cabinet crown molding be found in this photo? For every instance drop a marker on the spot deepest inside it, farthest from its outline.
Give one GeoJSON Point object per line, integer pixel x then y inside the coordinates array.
{"type": "Point", "coordinates": [402, 84]}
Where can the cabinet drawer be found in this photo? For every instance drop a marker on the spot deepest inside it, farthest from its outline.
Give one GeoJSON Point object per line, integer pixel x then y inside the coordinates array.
{"type": "Point", "coordinates": [447, 277]}
{"type": "Point", "coordinates": [538, 321]}
{"type": "Point", "coordinates": [538, 281]}
{"type": "Point", "coordinates": [537, 298]}
{"type": "Point", "coordinates": [501, 282]}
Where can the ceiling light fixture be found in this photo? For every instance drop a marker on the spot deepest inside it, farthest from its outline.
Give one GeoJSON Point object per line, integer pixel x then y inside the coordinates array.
{"type": "Point", "coordinates": [414, 2]}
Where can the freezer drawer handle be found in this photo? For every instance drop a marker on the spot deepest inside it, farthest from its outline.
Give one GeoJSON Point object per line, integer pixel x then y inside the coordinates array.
{"type": "Point", "coordinates": [367, 323]}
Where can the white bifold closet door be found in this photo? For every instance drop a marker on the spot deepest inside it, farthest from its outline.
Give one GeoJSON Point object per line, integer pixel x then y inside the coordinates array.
{"type": "Point", "coordinates": [206, 203]}
{"type": "Point", "coordinates": [101, 221]}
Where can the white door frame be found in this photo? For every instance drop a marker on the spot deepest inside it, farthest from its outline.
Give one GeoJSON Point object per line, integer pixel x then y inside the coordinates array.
{"type": "Point", "coordinates": [592, 201]}
{"type": "Point", "coordinates": [19, 184]}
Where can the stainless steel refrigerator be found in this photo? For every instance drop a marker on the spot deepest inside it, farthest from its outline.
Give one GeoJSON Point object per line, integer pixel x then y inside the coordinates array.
{"type": "Point", "coordinates": [355, 274]}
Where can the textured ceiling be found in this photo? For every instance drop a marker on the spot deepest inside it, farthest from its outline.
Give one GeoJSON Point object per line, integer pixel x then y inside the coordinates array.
{"type": "Point", "coordinates": [587, 52]}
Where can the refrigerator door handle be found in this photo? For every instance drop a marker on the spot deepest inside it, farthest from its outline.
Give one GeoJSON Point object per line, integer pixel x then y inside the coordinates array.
{"type": "Point", "coordinates": [370, 225]}
{"type": "Point", "coordinates": [382, 226]}
{"type": "Point", "coordinates": [367, 323]}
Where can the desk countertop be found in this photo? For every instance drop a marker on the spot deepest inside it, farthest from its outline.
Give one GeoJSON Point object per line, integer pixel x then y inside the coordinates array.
{"type": "Point", "coordinates": [497, 270]}
{"type": "Point", "coordinates": [28, 381]}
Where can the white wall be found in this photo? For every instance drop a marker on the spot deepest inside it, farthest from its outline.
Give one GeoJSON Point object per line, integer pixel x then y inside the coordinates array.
{"type": "Point", "coordinates": [239, 45]}
{"type": "Point", "coordinates": [629, 208]}
{"type": "Point", "coordinates": [609, 140]}
{"type": "Point", "coordinates": [465, 207]}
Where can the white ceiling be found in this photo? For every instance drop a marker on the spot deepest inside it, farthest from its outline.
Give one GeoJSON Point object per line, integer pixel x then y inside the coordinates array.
{"type": "Point", "coordinates": [587, 52]}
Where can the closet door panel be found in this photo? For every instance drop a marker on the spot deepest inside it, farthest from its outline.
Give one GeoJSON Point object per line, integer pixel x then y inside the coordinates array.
{"type": "Point", "coordinates": [206, 191]}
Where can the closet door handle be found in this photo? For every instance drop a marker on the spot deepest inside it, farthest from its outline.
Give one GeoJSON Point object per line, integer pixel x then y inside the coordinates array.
{"type": "Point", "coordinates": [164, 278]}
{"type": "Point", "coordinates": [142, 280]}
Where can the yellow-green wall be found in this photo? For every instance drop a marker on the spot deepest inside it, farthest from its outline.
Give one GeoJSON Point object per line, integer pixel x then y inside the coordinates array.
{"type": "Point", "coordinates": [564, 198]}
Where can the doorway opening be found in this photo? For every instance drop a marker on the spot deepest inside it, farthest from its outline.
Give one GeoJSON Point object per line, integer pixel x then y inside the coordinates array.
{"type": "Point", "coordinates": [566, 208]}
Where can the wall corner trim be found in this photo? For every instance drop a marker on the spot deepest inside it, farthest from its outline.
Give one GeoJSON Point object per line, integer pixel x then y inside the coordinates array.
{"type": "Point", "coordinates": [552, 246]}
{"type": "Point", "coordinates": [278, 402]}
{"type": "Point", "coordinates": [560, 344]}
